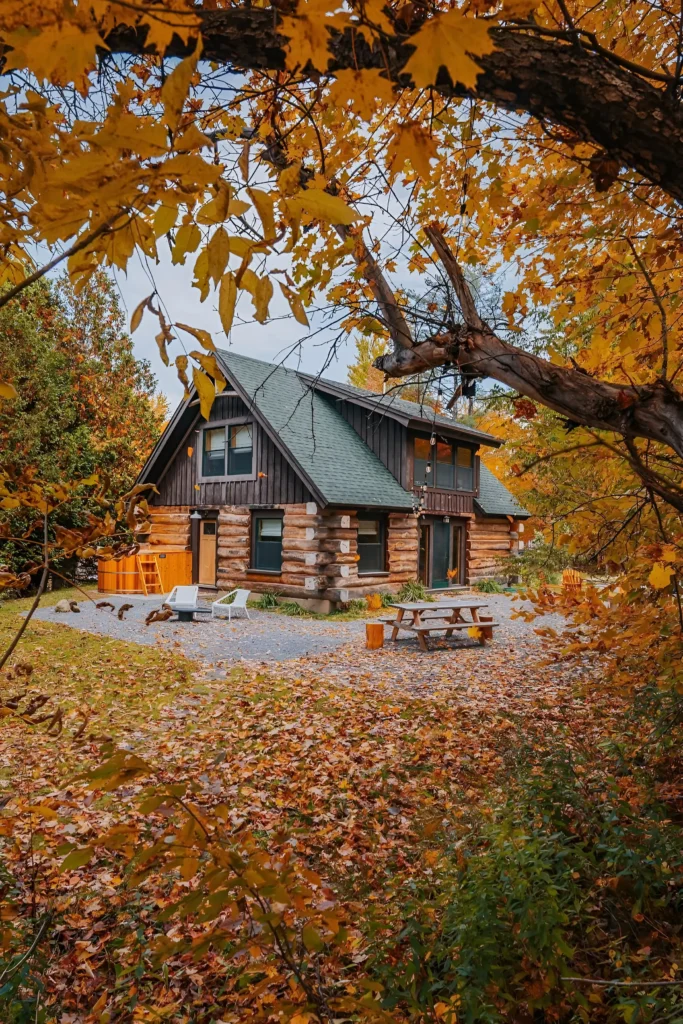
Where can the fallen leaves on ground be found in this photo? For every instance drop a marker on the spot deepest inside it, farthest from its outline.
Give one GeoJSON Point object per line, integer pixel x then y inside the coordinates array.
{"type": "Point", "coordinates": [349, 758]}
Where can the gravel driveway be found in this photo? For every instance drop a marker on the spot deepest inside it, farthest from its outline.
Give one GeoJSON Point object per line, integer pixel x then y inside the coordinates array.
{"type": "Point", "coordinates": [268, 637]}
{"type": "Point", "coordinates": [264, 637]}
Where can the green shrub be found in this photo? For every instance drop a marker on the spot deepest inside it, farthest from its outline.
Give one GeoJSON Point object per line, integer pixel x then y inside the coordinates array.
{"type": "Point", "coordinates": [413, 590]}
{"type": "Point", "coordinates": [357, 605]}
{"type": "Point", "coordinates": [267, 600]}
{"type": "Point", "coordinates": [292, 608]}
{"type": "Point", "coordinates": [387, 598]}
{"type": "Point", "coordinates": [541, 562]}
{"type": "Point", "coordinates": [489, 587]}
{"type": "Point", "coordinates": [562, 880]}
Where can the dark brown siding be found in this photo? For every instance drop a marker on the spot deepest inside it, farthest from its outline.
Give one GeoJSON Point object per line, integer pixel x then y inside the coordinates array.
{"type": "Point", "coordinates": [450, 502]}
{"type": "Point", "coordinates": [383, 436]}
{"type": "Point", "coordinates": [280, 484]}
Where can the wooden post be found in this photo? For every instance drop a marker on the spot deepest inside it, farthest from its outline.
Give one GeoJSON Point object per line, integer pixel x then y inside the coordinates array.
{"type": "Point", "coordinates": [374, 632]}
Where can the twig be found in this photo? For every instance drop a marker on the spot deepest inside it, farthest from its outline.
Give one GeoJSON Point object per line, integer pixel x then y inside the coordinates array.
{"type": "Point", "coordinates": [83, 243]}
{"type": "Point", "coordinates": [666, 541]}
{"type": "Point", "coordinates": [29, 952]}
{"type": "Point", "coordinates": [39, 594]}
{"type": "Point", "coordinates": [660, 307]}
{"type": "Point", "coordinates": [625, 984]}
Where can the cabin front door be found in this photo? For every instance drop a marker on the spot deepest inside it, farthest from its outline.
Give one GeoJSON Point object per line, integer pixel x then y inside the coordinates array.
{"type": "Point", "coordinates": [442, 553]}
{"type": "Point", "coordinates": [208, 529]}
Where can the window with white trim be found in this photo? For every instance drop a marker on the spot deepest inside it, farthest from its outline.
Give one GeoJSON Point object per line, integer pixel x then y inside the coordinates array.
{"type": "Point", "coordinates": [228, 451]}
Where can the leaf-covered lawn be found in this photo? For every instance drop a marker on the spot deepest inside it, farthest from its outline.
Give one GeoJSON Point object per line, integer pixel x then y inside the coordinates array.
{"type": "Point", "coordinates": [365, 780]}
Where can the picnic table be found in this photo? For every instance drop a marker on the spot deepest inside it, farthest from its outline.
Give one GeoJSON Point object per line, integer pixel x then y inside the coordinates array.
{"type": "Point", "coordinates": [448, 618]}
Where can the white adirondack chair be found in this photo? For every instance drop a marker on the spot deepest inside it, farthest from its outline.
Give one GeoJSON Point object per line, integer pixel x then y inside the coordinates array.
{"type": "Point", "coordinates": [235, 601]}
{"type": "Point", "coordinates": [184, 601]}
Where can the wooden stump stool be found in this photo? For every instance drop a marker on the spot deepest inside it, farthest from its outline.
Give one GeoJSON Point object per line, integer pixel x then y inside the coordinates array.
{"type": "Point", "coordinates": [374, 633]}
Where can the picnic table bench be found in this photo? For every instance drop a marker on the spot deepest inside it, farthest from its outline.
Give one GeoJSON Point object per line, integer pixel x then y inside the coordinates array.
{"type": "Point", "coordinates": [447, 618]}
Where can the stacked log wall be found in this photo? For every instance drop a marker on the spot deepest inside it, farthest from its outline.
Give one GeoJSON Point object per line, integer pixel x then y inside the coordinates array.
{"type": "Point", "coordinates": [170, 526]}
{"type": "Point", "coordinates": [489, 542]}
{"type": "Point", "coordinates": [319, 553]}
{"type": "Point", "coordinates": [403, 541]}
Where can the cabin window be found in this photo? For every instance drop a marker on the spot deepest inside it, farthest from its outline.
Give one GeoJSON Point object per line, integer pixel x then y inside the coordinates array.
{"type": "Point", "coordinates": [423, 453]}
{"type": "Point", "coordinates": [267, 541]}
{"type": "Point", "coordinates": [241, 450]}
{"type": "Point", "coordinates": [371, 543]}
{"type": "Point", "coordinates": [445, 468]}
{"type": "Point", "coordinates": [465, 469]}
{"type": "Point", "coordinates": [228, 451]}
{"type": "Point", "coordinates": [213, 460]}
{"type": "Point", "coordinates": [443, 465]}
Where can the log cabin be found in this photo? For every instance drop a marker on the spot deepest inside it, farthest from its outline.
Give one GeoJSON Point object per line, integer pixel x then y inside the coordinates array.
{"type": "Point", "coordinates": [319, 491]}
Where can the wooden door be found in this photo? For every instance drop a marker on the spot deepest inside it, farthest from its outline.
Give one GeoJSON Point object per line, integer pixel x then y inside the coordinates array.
{"type": "Point", "coordinates": [441, 553]}
{"type": "Point", "coordinates": [207, 552]}
{"type": "Point", "coordinates": [423, 558]}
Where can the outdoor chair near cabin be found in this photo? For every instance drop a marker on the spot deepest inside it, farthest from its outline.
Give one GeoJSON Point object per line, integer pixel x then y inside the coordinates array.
{"type": "Point", "coordinates": [184, 601]}
{"type": "Point", "coordinates": [235, 601]}
{"type": "Point", "coordinates": [572, 580]}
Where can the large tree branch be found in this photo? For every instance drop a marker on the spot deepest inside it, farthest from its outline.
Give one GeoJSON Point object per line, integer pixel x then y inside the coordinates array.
{"type": "Point", "coordinates": [653, 411]}
{"type": "Point", "coordinates": [639, 124]}
{"type": "Point", "coordinates": [392, 314]}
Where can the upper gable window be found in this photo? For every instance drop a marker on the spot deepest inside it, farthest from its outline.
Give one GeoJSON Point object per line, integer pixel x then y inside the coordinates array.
{"type": "Point", "coordinates": [213, 459]}
{"type": "Point", "coordinates": [241, 450]}
{"type": "Point", "coordinates": [228, 451]}
{"type": "Point", "coordinates": [443, 465]}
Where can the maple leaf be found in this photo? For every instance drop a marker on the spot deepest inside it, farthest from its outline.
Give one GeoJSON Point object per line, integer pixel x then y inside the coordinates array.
{"type": "Point", "coordinates": [206, 389]}
{"type": "Point", "coordinates": [308, 32]}
{"type": "Point", "coordinates": [175, 89]}
{"type": "Point", "coordinates": [63, 57]}
{"type": "Point", "coordinates": [660, 575]}
{"type": "Point", "coordinates": [525, 409]}
{"type": "Point", "coordinates": [412, 144]}
{"type": "Point", "coordinates": [322, 206]}
{"type": "Point", "coordinates": [227, 296]}
{"type": "Point", "coordinates": [368, 91]}
{"type": "Point", "coordinates": [449, 40]}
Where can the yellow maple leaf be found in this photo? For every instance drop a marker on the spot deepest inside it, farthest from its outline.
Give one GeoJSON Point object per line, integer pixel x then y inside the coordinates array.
{"type": "Point", "coordinates": [206, 389]}
{"type": "Point", "coordinates": [295, 304]}
{"type": "Point", "coordinates": [175, 89]}
{"type": "Point", "coordinates": [218, 251]}
{"type": "Point", "coordinates": [308, 32]}
{"type": "Point", "coordinates": [63, 55]}
{"type": "Point", "coordinates": [202, 336]}
{"type": "Point", "coordinates": [518, 9]}
{"type": "Point", "coordinates": [660, 576]}
{"type": "Point", "coordinates": [412, 144]}
{"type": "Point", "coordinates": [449, 40]}
{"type": "Point", "coordinates": [322, 206]}
{"type": "Point", "coordinates": [368, 91]}
{"type": "Point", "coordinates": [227, 297]}
{"type": "Point", "coordinates": [264, 203]}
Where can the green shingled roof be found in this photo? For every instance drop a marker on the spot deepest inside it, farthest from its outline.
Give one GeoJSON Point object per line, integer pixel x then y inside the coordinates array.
{"type": "Point", "coordinates": [494, 498]}
{"type": "Point", "coordinates": [328, 451]}
{"type": "Point", "coordinates": [326, 448]}
{"type": "Point", "coordinates": [392, 405]}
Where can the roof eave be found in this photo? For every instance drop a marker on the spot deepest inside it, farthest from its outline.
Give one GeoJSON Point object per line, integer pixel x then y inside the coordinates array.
{"type": "Point", "coordinates": [465, 433]}
{"type": "Point", "coordinates": [522, 514]}
{"type": "Point", "coordinates": [163, 439]}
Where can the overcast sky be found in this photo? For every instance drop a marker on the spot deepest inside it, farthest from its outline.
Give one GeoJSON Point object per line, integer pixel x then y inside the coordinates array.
{"type": "Point", "coordinates": [271, 341]}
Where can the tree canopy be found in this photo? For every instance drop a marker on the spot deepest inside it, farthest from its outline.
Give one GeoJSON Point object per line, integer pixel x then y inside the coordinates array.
{"type": "Point", "coordinates": [84, 404]}
{"type": "Point", "coordinates": [329, 149]}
